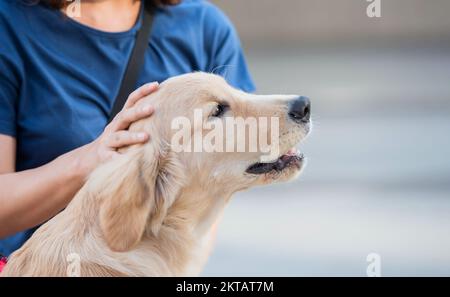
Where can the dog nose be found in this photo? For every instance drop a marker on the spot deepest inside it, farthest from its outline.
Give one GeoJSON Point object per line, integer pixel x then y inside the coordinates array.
{"type": "Point", "coordinates": [300, 110]}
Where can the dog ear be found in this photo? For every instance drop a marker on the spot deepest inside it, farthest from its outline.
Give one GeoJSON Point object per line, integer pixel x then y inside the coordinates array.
{"type": "Point", "coordinates": [135, 192]}
{"type": "Point", "coordinates": [169, 180]}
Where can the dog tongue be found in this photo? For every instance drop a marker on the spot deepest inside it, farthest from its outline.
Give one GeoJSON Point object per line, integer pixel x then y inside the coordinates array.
{"type": "Point", "coordinates": [285, 158]}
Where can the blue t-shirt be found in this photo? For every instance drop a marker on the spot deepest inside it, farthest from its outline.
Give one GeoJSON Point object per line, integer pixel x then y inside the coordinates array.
{"type": "Point", "coordinates": [59, 78]}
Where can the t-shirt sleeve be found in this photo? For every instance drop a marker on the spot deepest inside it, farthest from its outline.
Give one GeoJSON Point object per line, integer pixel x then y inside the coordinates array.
{"type": "Point", "coordinates": [9, 81]}
{"type": "Point", "coordinates": [8, 98]}
{"type": "Point", "coordinates": [225, 54]}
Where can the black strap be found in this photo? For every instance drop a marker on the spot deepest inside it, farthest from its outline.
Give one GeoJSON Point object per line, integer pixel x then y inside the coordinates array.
{"type": "Point", "coordinates": [135, 62]}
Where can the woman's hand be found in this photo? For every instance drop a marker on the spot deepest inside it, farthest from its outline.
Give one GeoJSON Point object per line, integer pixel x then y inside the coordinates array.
{"type": "Point", "coordinates": [116, 135]}
{"type": "Point", "coordinates": [31, 197]}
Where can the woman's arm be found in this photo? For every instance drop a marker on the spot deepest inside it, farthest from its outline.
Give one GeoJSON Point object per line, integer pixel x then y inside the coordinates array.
{"type": "Point", "coordinates": [8, 153]}
{"type": "Point", "coordinates": [31, 197]}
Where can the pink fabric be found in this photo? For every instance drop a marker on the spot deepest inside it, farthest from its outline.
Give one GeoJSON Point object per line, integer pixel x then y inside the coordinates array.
{"type": "Point", "coordinates": [2, 263]}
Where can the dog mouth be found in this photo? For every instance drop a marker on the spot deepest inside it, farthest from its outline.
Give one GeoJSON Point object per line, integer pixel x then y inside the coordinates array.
{"type": "Point", "coordinates": [292, 158]}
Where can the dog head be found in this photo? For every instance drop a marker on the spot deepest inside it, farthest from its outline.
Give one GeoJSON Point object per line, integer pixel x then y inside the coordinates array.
{"type": "Point", "coordinates": [208, 140]}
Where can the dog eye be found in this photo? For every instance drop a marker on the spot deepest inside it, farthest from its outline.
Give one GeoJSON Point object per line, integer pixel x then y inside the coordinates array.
{"type": "Point", "coordinates": [219, 110]}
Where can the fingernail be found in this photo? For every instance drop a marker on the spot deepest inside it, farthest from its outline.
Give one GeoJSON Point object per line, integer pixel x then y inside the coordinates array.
{"type": "Point", "coordinates": [147, 109]}
{"type": "Point", "coordinates": [141, 136]}
{"type": "Point", "coordinates": [152, 85]}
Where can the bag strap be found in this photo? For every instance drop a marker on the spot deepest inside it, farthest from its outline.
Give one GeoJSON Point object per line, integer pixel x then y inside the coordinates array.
{"type": "Point", "coordinates": [135, 62]}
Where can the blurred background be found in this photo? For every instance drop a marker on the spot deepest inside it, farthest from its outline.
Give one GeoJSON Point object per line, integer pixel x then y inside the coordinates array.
{"type": "Point", "coordinates": [378, 174]}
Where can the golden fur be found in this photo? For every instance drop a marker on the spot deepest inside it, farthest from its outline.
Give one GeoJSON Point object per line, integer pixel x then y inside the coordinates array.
{"type": "Point", "coordinates": [150, 211]}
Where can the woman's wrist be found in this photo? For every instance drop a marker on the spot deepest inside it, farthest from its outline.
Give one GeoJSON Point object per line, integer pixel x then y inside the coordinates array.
{"type": "Point", "coordinates": [80, 162]}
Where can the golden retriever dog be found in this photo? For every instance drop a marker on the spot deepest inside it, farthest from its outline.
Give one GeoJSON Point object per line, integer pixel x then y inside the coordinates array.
{"type": "Point", "coordinates": [150, 211]}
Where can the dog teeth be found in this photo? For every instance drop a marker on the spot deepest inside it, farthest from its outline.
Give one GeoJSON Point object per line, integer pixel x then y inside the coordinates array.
{"type": "Point", "coordinates": [291, 152]}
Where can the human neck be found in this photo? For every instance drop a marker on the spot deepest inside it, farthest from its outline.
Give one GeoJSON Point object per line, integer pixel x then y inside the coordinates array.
{"type": "Point", "coordinates": [109, 15]}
